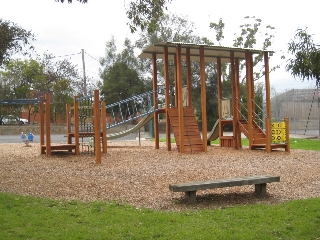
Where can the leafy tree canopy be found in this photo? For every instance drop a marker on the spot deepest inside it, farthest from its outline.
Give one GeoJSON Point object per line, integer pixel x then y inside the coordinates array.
{"type": "Point", "coordinates": [143, 14]}
{"type": "Point", "coordinates": [305, 62]}
{"type": "Point", "coordinates": [14, 39]}
{"type": "Point", "coordinates": [120, 74]}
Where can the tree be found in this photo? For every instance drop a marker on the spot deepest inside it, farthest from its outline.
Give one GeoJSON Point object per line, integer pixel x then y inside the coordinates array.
{"type": "Point", "coordinates": [306, 56]}
{"type": "Point", "coordinates": [55, 71]}
{"type": "Point", "coordinates": [306, 60]}
{"type": "Point", "coordinates": [22, 78]}
{"type": "Point", "coordinates": [143, 14]}
{"type": "Point", "coordinates": [14, 39]}
{"type": "Point", "coordinates": [248, 39]}
{"type": "Point", "coordinates": [120, 74]}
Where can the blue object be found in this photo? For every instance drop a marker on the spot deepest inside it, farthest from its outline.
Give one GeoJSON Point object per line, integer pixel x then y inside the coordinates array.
{"type": "Point", "coordinates": [23, 137]}
{"type": "Point", "coordinates": [30, 137]}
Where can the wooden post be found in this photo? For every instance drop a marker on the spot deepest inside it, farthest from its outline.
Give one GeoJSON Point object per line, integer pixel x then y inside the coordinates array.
{"type": "Point", "coordinates": [42, 125]}
{"type": "Point", "coordinates": [286, 120]}
{"type": "Point", "coordinates": [96, 119]}
{"type": "Point", "coordinates": [76, 124]}
{"type": "Point", "coordinates": [189, 77]}
{"type": "Point", "coordinates": [48, 140]}
{"type": "Point", "coordinates": [104, 126]}
{"type": "Point", "coordinates": [155, 100]}
{"type": "Point", "coordinates": [203, 99]}
{"type": "Point", "coordinates": [219, 80]}
{"type": "Point", "coordinates": [176, 96]}
{"type": "Point", "coordinates": [268, 135]}
{"type": "Point", "coordinates": [238, 106]}
{"type": "Point", "coordinates": [180, 97]}
{"type": "Point", "coordinates": [167, 96]}
{"type": "Point", "coordinates": [68, 116]}
{"type": "Point", "coordinates": [267, 83]}
{"type": "Point", "coordinates": [249, 95]}
{"type": "Point", "coordinates": [234, 100]}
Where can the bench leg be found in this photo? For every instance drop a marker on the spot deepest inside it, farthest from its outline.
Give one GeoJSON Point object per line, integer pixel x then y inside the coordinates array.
{"type": "Point", "coordinates": [191, 196]}
{"type": "Point", "coordinates": [260, 189]}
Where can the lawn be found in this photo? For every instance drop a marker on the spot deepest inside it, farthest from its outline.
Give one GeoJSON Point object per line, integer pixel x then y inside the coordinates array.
{"type": "Point", "coordinates": [26, 217]}
{"type": "Point", "coordinates": [295, 143]}
{"type": "Point", "coordinates": [35, 218]}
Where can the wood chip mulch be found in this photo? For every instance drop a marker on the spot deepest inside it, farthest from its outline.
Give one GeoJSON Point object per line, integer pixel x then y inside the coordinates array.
{"type": "Point", "coordinates": [140, 175]}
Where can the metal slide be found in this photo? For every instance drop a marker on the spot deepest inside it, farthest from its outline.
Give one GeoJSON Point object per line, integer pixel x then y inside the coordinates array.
{"type": "Point", "coordinates": [143, 122]}
{"type": "Point", "coordinates": [130, 109]}
{"type": "Point", "coordinates": [214, 133]}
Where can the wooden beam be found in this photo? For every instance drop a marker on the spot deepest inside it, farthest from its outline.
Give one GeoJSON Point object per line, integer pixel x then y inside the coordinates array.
{"type": "Point", "coordinates": [268, 134]}
{"type": "Point", "coordinates": [219, 80]}
{"type": "Point", "coordinates": [237, 83]}
{"type": "Point", "coordinates": [104, 126]}
{"type": "Point", "coordinates": [42, 125]}
{"type": "Point", "coordinates": [96, 119]}
{"type": "Point", "coordinates": [203, 98]}
{"type": "Point", "coordinates": [189, 77]}
{"type": "Point", "coordinates": [180, 97]}
{"type": "Point", "coordinates": [167, 96]}
{"type": "Point", "coordinates": [76, 124]}
{"type": "Point", "coordinates": [286, 120]}
{"type": "Point", "coordinates": [176, 96]}
{"type": "Point", "coordinates": [48, 140]}
{"type": "Point", "coordinates": [234, 100]}
{"type": "Point", "coordinates": [267, 83]}
{"type": "Point", "coordinates": [249, 80]}
{"type": "Point", "coordinates": [155, 98]}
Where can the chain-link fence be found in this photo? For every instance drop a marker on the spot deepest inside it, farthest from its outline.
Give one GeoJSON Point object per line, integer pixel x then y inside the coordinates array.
{"type": "Point", "coordinates": [301, 106]}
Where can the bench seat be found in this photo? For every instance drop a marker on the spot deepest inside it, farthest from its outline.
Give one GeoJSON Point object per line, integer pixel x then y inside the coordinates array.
{"type": "Point", "coordinates": [190, 189]}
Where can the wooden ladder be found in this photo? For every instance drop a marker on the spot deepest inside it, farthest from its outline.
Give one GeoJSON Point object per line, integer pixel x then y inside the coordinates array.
{"type": "Point", "coordinates": [192, 138]}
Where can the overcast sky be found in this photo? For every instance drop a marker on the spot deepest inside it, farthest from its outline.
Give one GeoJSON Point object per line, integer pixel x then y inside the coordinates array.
{"type": "Point", "coordinates": [65, 29]}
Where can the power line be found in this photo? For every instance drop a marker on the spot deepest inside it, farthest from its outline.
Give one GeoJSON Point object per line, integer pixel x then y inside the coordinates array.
{"type": "Point", "coordinates": [66, 55]}
{"type": "Point", "coordinates": [92, 57]}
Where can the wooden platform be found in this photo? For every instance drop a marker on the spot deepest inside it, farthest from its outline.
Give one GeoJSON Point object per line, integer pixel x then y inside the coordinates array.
{"type": "Point", "coordinates": [59, 147]}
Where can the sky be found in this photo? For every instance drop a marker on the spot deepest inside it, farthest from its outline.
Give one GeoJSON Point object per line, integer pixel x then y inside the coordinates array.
{"type": "Point", "coordinates": [65, 29]}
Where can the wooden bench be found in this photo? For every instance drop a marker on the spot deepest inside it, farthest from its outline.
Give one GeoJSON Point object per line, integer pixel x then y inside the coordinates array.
{"type": "Point", "coordinates": [190, 189]}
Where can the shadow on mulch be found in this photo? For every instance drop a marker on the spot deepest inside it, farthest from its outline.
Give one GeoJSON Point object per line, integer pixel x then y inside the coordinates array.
{"type": "Point", "coordinates": [216, 200]}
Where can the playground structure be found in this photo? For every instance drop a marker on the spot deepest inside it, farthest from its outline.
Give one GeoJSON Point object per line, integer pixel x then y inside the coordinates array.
{"type": "Point", "coordinates": [181, 116]}
{"type": "Point", "coordinates": [90, 118]}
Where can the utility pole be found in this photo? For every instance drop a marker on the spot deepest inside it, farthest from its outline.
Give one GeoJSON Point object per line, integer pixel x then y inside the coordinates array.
{"type": "Point", "coordinates": [84, 75]}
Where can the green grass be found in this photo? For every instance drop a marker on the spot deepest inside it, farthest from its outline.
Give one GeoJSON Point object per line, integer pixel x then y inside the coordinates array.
{"type": "Point", "coordinates": [295, 143]}
{"type": "Point", "coordinates": [36, 218]}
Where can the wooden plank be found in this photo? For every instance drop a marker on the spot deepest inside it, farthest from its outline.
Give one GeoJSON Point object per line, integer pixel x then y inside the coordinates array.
{"type": "Point", "coordinates": [96, 112]}
{"type": "Point", "coordinates": [167, 96]}
{"type": "Point", "coordinates": [47, 120]}
{"type": "Point", "coordinates": [203, 98]}
{"type": "Point", "coordinates": [59, 147]}
{"type": "Point", "coordinates": [221, 183]}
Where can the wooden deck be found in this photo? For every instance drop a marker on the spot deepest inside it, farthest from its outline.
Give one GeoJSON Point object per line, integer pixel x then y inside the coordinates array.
{"type": "Point", "coordinates": [59, 147]}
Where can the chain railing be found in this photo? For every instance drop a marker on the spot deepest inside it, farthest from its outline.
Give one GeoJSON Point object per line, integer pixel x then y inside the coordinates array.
{"type": "Point", "coordinates": [259, 120]}
{"type": "Point", "coordinates": [130, 109]}
{"type": "Point", "coordinates": [239, 110]}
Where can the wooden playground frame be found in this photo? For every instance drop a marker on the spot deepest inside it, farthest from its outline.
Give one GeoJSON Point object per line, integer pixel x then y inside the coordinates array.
{"type": "Point", "coordinates": [98, 117]}
{"type": "Point", "coordinates": [179, 52]}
